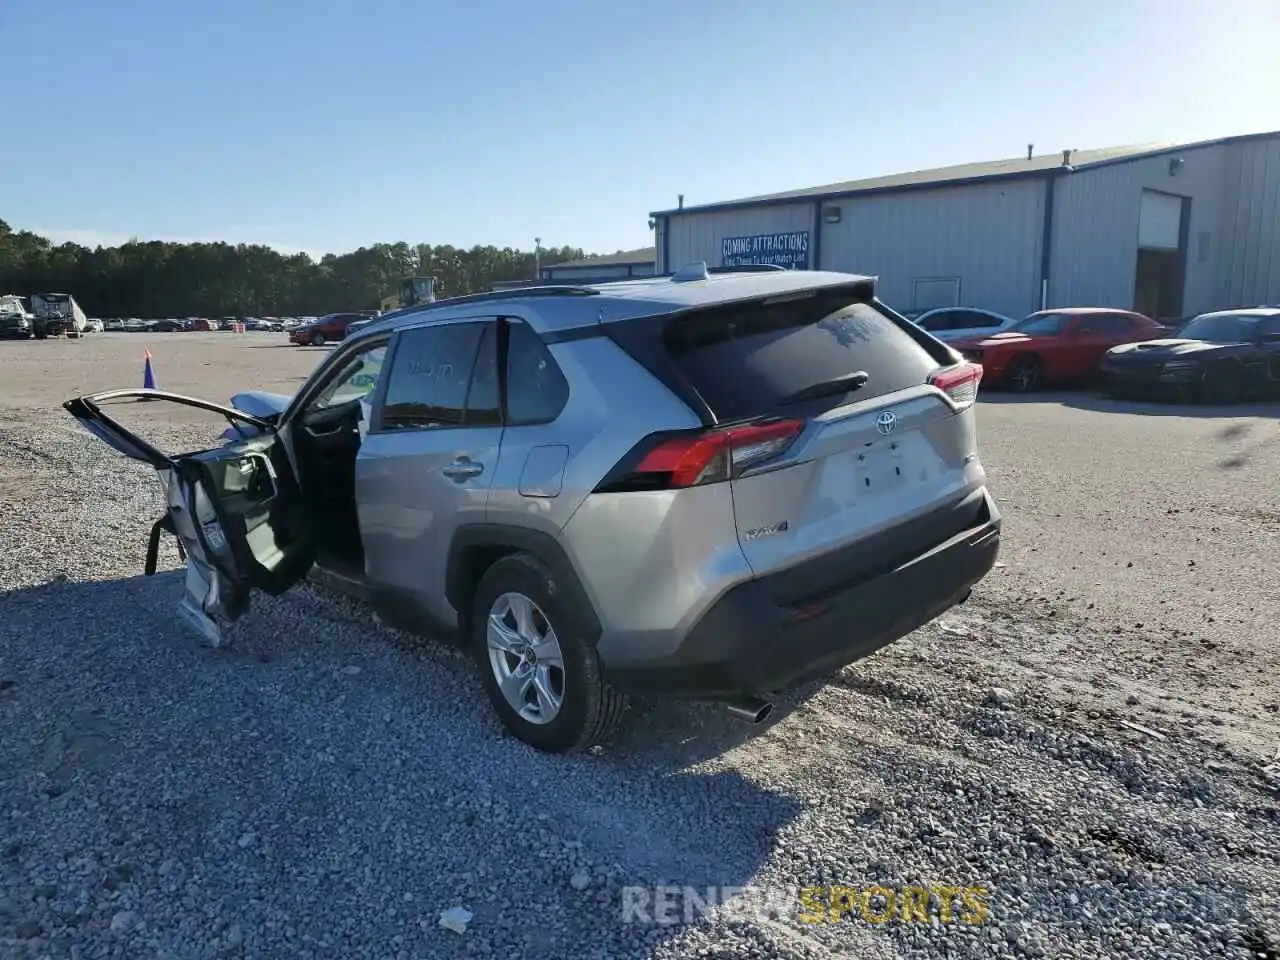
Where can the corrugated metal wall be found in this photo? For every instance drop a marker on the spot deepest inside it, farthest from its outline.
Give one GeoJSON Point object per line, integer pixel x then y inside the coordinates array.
{"type": "Point", "coordinates": [698, 236]}
{"type": "Point", "coordinates": [1095, 229]}
{"type": "Point", "coordinates": [1249, 254]}
{"type": "Point", "coordinates": [986, 236]}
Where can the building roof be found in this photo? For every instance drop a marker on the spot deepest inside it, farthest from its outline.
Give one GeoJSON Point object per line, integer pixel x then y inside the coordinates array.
{"type": "Point", "coordinates": [621, 258]}
{"type": "Point", "coordinates": [969, 173]}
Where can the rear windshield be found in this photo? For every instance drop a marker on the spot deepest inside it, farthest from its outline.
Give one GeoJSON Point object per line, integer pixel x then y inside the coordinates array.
{"type": "Point", "coordinates": [746, 359]}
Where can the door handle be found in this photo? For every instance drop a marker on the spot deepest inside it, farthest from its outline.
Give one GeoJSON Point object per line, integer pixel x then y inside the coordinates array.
{"type": "Point", "coordinates": [463, 469]}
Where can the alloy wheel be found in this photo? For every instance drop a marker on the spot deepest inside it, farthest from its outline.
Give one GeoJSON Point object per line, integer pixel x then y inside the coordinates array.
{"type": "Point", "coordinates": [526, 658]}
{"type": "Point", "coordinates": [1025, 375]}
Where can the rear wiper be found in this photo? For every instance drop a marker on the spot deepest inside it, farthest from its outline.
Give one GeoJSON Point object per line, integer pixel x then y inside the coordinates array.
{"type": "Point", "coordinates": [828, 388]}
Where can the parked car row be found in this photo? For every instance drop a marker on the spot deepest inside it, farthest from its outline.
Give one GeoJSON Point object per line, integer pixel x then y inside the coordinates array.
{"type": "Point", "coordinates": [181, 324]}
{"type": "Point", "coordinates": [1216, 357]}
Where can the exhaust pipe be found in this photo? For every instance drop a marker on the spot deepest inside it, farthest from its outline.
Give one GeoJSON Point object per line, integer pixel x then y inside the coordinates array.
{"type": "Point", "coordinates": [751, 710]}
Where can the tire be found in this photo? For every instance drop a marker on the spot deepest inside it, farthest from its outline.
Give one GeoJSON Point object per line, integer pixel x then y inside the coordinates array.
{"type": "Point", "coordinates": [1025, 374]}
{"type": "Point", "coordinates": [317, 340]}
{"type": "Point", "coordinates": [589, 709]}
{"type": "Point", "coordinates": [1221, 384]}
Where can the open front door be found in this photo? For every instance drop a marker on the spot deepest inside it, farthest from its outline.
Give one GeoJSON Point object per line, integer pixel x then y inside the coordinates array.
{"type": "Point", "coordinates": [237, 510]}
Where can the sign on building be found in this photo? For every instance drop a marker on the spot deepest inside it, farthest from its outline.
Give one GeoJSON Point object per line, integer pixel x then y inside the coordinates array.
{"type": "Point", "coordinates": [790, 250]}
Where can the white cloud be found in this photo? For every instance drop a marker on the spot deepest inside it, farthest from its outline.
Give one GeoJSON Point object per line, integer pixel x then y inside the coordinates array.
{"type": "Point", "coordinates": [88, 237]}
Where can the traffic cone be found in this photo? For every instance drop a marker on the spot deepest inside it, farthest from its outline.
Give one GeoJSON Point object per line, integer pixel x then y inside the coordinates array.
{"type": "Point", "coordinates": [148, 377]}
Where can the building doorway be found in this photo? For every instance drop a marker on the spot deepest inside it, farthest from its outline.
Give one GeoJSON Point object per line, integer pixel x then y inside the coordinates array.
{"type": "Point", "coordinates": [1161, 270]}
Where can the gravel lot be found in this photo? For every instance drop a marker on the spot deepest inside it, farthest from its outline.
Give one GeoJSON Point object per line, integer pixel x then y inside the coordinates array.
{"type": "Point", "coordinates": [326, 787]}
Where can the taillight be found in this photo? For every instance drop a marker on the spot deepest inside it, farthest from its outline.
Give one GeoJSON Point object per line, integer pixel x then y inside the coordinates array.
{"type": "Point", "coordinates": [959, 382]}
{"type": "Point", "coordinates": [690, 460]}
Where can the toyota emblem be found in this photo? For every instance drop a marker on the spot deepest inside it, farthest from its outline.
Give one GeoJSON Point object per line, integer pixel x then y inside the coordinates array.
{"type": "Point", "coordinates": [886, 422]}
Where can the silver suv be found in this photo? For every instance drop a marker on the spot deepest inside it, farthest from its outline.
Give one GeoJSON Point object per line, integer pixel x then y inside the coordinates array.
{"type": "Point", "coordinates": [714, 484]}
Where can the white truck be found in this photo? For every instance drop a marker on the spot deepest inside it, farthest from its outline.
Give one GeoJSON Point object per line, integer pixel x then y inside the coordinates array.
{"type": "Point", "coordinates": [57, 313]}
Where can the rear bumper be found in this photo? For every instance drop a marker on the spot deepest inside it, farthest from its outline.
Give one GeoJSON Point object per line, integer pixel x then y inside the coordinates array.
{"type": "Point", "coordinates": [751, 642]}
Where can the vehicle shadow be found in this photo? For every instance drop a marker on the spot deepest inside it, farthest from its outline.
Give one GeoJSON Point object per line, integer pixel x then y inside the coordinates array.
{"type": "Point", "coordinates": [1098, 403]}
{"type": "Point", "coordinates": [328, 732]}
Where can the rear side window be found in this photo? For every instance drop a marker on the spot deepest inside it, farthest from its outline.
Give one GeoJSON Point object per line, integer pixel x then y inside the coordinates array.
{"type": "Point", "coordinates": [536, 389]}
{"type": "Point", "coordinates": [744, 360]}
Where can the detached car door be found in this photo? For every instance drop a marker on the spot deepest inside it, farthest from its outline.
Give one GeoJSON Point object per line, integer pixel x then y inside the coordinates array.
{"type": "Point", "coordinates": [236, 510]}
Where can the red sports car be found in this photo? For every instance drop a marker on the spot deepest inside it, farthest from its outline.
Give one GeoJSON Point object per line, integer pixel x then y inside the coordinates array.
{"type": "Point", "coordinates": [1053, 347]}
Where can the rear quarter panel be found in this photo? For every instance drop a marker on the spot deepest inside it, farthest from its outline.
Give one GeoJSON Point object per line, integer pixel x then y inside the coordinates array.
{"type": "Point", "coordinates": [613, 404]}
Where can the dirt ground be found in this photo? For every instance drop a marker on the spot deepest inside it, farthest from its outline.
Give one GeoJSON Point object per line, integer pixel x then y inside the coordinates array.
{"type": "Point", "coordinates": [211, 366]}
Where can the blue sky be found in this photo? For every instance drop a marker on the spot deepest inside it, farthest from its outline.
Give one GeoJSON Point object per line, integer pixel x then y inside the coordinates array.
{"type": "Point", "coordinates": [327, 125]}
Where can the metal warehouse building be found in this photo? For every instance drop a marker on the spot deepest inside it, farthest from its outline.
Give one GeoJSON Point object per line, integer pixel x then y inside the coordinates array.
{"type": "Point", "coordinates": [1170, 230]}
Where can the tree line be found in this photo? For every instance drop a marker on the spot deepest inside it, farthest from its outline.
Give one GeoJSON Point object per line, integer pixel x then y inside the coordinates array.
{"type": "Point", "coordinates": [160, 279]}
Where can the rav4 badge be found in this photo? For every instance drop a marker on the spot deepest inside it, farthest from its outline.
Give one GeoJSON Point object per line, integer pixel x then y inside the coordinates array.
{"type": "Point", "coordinates": [759, 533]}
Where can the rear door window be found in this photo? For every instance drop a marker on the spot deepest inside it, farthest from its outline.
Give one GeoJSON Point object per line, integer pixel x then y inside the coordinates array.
{"type": "Point", "coordinates": [745, 359]}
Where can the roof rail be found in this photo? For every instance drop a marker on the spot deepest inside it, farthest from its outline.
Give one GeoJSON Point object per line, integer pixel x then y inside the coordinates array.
{"type": "Point", "coordinates": [747, 268]}
{"type": "Point", "coordinates": [514, 293]}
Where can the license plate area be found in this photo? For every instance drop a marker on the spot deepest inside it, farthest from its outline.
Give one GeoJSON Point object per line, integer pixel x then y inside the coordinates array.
{"type": "Point", "coordinates": [879, 467]}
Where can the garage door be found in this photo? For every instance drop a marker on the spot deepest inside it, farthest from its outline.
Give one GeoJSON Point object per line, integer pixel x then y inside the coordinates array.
{"type": "Point", "coordinates": [1160, 223]}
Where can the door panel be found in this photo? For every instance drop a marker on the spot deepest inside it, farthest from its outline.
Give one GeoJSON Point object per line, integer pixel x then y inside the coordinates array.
{"type": "Point", "coordinates": [1085, 342]}
{"type": "Point", "coordinates": [428, 462]}
{"type": "Point", "coordinates": [259, 509]}
{"type": "Point", "coordinates": [235, 510]}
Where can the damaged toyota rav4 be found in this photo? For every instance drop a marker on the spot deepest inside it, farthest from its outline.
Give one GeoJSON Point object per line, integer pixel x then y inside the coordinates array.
{"type": "Point", "coordinates": [715, 484]}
